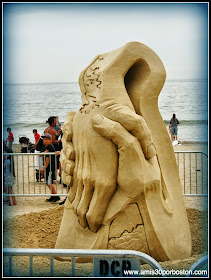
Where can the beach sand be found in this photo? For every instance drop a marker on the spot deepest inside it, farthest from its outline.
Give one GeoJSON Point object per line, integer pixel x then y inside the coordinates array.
{"type": "Point", "coordinates": [40, 230]}
{"type": "Point", "coordinates": [33, 223]}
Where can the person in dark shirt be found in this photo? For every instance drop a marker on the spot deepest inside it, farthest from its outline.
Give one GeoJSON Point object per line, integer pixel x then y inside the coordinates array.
{"type": "Point", "coordinates": [53, 130]}
{"type": "Point", "coordinates": [8, 175]}
{"type": "Point", "coordinates": [174, 129]}
{"type": "Point", "coordinates": [49, 165]}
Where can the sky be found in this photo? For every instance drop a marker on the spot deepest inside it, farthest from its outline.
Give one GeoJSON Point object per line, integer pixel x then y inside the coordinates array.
{"type": "Point", "coordinates": [55, 42]}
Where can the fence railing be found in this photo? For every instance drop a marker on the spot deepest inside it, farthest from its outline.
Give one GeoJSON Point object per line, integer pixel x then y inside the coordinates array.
{"type": "Point", "coordinates": [192, 166]}
{"type": "Point", "coordinates": [29, 181]}
{"type": "Point", "coordinates": [72, 254]}
{"type": "Point", "coordinates": [193, 171]}
{"type": "Point", "coordinates": [199, 268]}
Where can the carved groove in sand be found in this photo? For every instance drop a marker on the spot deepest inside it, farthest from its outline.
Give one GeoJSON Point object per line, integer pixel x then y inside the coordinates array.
{"type": "Point", "coordinates": [92, 82]}
{"type": "Point", "coordinates": [125, 190]}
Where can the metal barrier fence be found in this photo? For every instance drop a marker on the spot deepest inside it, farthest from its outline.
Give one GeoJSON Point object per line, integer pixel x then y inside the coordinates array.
{"type": "Point", "coordinates": [193, 171]}
{"type": "Point", "coordinates": [29, 181]}
{"type": "Point", "coordinates": [197, 269]}
{"type": "Point", "coordinates": [73, 253]}
{"type": "Point", "coordinates": [192, 166]}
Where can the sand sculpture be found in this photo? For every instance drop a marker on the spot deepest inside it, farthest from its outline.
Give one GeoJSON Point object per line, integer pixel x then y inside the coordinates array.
{"type": "Point", "coordinates": [118, 160]}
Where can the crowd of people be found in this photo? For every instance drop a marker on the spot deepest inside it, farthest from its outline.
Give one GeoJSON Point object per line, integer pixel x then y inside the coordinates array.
{"type": "Point", "coordinates": [48, 142]}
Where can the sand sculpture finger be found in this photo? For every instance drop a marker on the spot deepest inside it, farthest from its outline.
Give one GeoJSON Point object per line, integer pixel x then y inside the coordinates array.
{"type": "Point", "coordinates": [67, 165]}
{"type": "Point", "coordinates": [67, 155]}
{"type": "Point", "coordinates": [112, 130]}
{"type": "Point", "coordinates": [67, 128]}
{"type": "Point", "coordinates": [68, 168]}
{"type": "Point", "coordinates": [67, 179]}
{"type": "Point", "coordinates": [73, 189]}
{"type": "Point", "coordinates": [78, 195]}
{"type": "Point", "coordinates": [100, 200]}
{"type": "Point", "coordinates": [88, 188]}
{"type": "Point", "coordinates": [68, 149]}
{"type": "Point", "coordinates": [133, 123]}
{"type": "Point", "coordinates": [85, 202]}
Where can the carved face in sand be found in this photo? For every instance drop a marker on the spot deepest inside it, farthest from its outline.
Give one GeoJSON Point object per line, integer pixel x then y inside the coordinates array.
{"type": "Point", "coordinates": [125, 188]}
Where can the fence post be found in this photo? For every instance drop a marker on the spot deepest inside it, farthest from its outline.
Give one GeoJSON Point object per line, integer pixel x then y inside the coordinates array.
{"type": "Point", "coordinates": [17, 175]}
{"type": "Point", "coordinates": [28, 174]}
{"type": "Point", "coordinates": [31, 270]}
{"type": "Point", "coordinates": [196, 171]}
{"type": "Point", "coordinates": [73, 266]}
{"type": "Point", "coordinates": [52, 266]}
{"type": "Point", "coordinates": [202, 172]}
{"type": "Point", "coordinates": [184, 170]}
{"type": "Point", "coordinates": [10, 266]}
{"type": "Point", "coordinates": [23, 173]}
{"type": "Point", "coordinates": [56, 171]}
{"type": "Point", "coordinates": [190, 170]}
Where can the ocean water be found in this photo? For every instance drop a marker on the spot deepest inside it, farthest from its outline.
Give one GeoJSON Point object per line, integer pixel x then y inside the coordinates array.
{"type": "Point", "coordinates": [28, 106]}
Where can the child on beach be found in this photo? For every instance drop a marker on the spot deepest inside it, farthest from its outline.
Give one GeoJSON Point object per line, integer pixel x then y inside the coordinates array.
{"type": "Point", "coordinates": [9, 175]}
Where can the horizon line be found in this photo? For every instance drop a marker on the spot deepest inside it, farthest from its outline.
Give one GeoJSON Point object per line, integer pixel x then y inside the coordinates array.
{"type": "Point", "coordinates": [18, 83]}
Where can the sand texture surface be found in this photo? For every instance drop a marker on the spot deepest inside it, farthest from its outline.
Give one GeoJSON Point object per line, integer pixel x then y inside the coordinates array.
{"type": "Point", "coordinates": [40, 230]}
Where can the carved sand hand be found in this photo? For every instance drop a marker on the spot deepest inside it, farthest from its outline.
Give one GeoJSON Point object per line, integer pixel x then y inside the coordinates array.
{"type": "Point", "coordinates": [135, 172]}
{"type": "Point", "coordinates": [94, 183]}
{"type": "Point", "coordinates": [137, 168]}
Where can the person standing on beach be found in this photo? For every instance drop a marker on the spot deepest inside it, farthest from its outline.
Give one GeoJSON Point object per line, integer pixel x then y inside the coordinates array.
{"type": "Point", "coordinates": [37, 159]}
{"type": "Point", "coordinates": [49, 165]}
{"type": "Point", "coordinates": [58, 146]}
{"type": "Point", "coordinates": [36, 137]}
{"type": "Point", "coordinates": [55, 137]}
{"type": "Point", "coordinates": [174, 129]}
{"type": "Point", "coordinates": [10, 138]}
{"type": "Point", "coordinates": [51, 129]}
{"type": "Point", "coordinates": [9, 174]}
